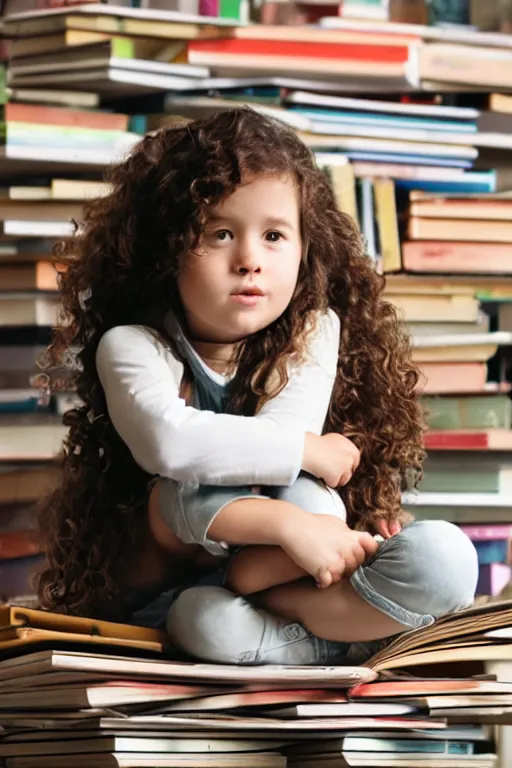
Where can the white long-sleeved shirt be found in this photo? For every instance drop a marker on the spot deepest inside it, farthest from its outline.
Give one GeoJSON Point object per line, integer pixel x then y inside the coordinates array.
{"type": "Point", "coordinates": [141, 379]}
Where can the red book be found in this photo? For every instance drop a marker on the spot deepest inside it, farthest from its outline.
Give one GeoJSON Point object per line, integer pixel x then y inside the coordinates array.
{"type": "Point", "coordinates": [469, 440]}
{"type": "Point", "coordinates": [391, 54]}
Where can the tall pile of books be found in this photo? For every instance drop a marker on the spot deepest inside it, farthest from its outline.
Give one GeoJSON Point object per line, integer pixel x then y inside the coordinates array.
{"type": "Point", "coordinates": [425, 175]}
{"type": "Point", "coordinates": [92, 694]}
{"type": "Point", "coordinates": [413, 169]}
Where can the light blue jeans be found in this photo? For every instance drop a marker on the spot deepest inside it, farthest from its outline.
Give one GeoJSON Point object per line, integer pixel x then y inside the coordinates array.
{"type": "Point", "coordinates": [428, 570]}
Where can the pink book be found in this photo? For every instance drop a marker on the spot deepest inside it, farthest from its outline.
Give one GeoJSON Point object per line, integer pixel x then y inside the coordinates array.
{"type": "Point", "coordinates": [425, 687]}
{"type": "Point", "coordinates": [488, 532]}
{"type": "Point", "coordinates": [455, 378]}
{"type": "Point", "coordinates": [209, 8]}
{"type": "Point", "coordinates": [458, 258]}
{"type": "Point", "coordinates": [492, 579]}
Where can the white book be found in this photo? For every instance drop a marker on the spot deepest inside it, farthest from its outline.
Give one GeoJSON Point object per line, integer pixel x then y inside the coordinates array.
{"type": "Point", "coordinates": [335, 128]}
{"type": "Point", "coordinates": [31, 159]}
{"type": "Point", "coordinates": [110, 694]}
{"type": "Point", "coordinates": [364, 144]}
{"type": "Point", "coordinates": [346, 709]}
{"type": "Point", "coordinates": [22, 228]}
{"type": "Point", "coordinates": [46, 661]}
{"type": "Point", "coordinates": [113, 80]}
{"type": "Point", "coordinates": [37, 308]}
{"type": "Point", "coordinates": [31, 441]}
{"type": "Point", "coordinates": [426, 499]}
{"type": "Point", "coordinates": [390, 760]}
{"type": "Point", "coordinates": [63, 745]}
{"type": "Point", "coordinates": [304, 98]}
{"type": "Point", "coordinates": [496, 338]}
{"type": "Point", "coordinates": [64, 98]}
{"type": "Point", "coordinates": [140, 66]}
{"type": "Point", "coordinates": [128, 760]}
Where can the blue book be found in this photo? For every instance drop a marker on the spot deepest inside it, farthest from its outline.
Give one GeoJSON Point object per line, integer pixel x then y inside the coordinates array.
{"type": "Point", "coordinates": [423, 746]}
{"type": "Point", "coordinates": [385, 121]}
{"type": "Point", "coordinates": [391, 157]}
{"type": "Point", "coordinates": [472, 182]}
{"type": "Point", "coordinates": [492, 551]}
{"type": "Point", "coordinates": [22, 405]}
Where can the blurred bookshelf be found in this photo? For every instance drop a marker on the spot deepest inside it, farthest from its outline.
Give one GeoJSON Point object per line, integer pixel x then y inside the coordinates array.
{"type": "Point", "coordinates": [413, 124]}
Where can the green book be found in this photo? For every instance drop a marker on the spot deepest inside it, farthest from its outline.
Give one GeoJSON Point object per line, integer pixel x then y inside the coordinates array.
{"type": "Point", "coordinates": [466, 472]}
{"type": "Point", "coordinates": [468, 412]}
{"type": "Point", "coordinates": [437, 481]}
{"type": "Point", "coordinates": [230, 9]}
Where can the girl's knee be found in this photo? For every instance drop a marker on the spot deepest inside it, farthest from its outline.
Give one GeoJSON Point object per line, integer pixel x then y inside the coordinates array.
{"type": "Point", "coordinates": [445, 561]}
{"type": "Point", "coordinates": [214, 625]}
{"type": "Point", "coordinates": [313, 496]}
{"type": "Point", "coordinates": [429, 569]}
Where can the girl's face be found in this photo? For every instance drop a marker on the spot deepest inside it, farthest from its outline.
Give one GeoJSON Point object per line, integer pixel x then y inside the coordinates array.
{"type": "Point", "coordinates": [244, 271]}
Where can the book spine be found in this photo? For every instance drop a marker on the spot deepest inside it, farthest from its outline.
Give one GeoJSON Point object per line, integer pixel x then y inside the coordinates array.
{"type": "Point", "coordinates": [487, 532]}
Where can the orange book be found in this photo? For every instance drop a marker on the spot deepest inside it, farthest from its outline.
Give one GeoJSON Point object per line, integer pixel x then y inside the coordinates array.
{"type": "Point", "coordinates": [305, 34]}
{"type": "Point", "coordinates": [459, 258]}
{"type": "Point", "coordinates": [29, 276]}
{"type": "Point", "coordinates": [462, 208]}
{"type": "Point", "coordinates": [81, 118]}
{"type": "Point", "coordinates": [460, 229]}
{"type": "Point", "coordinates": [19, 544]}
{"type": "Point", "coordinates": [453, 378]}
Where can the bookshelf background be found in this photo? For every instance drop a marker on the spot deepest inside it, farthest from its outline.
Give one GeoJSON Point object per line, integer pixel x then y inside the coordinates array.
{"type": "Point", "coordinates": [414, 127]}
{"type": "Point", "coordinates": [418, 153]}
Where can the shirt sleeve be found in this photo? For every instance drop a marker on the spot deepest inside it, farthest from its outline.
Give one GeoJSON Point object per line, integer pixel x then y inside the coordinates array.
{"type": "Point", "coordinates": [168, 438]}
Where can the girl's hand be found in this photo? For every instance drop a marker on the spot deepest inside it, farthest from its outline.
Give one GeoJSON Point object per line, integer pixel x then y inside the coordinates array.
{"type": "Point", "coordinates": [387, 528]}
{"type": "Point", "coordinates": [326, 548]}
{"type": "Point", "coordinates": [333, 458]}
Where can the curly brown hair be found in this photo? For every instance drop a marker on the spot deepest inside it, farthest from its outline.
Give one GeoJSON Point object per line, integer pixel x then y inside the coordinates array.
{"type": "Point", "coordinates": [121, 269]}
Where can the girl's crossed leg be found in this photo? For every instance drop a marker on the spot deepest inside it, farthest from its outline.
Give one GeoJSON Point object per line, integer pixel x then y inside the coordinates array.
{"type": "Point", "coordinates": [428, 570]}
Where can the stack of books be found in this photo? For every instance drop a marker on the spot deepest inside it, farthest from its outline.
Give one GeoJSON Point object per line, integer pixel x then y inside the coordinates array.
{"type": "Point", "coordinates": [110, 50]}
{"type": "Point", "coordinates": [89, 693]}
{"type": "Point", "coordinates": [424, 173]}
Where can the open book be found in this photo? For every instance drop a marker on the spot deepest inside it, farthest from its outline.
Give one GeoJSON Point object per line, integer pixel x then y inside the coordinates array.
{"type": "Point", "coordinates": [482, 633]}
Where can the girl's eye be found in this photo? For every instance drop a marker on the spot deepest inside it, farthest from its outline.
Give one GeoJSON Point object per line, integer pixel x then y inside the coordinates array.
{"type": "Point", "coordinates": [223, 235]}
{"type": "Point", "coordinates": [273, 237]}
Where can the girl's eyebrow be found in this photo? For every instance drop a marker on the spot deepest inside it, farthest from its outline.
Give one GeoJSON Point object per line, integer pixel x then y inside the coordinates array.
{"type": "Point", "coordinates": [279, 222]}
{"type": "Point", "coordinates": [271, 221]}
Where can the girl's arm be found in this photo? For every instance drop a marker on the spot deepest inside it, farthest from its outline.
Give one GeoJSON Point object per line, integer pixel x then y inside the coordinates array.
{"type": "Point", "coordinates": [322, 546]}
{"type": "Point", "coordinates": [255, 569]}
{"type": "Point", "coordinates": [166, 437]}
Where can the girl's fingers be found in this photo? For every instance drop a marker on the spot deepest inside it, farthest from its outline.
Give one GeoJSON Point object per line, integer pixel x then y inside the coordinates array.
{"type": "Point", "coordinates": [368, 543]}
{"type": "Point", "coordinates": [395, 527]}
{"type": "Point", "coordinates": [324, 578]}
{"type": "Point", "coordinates": [382, 527]}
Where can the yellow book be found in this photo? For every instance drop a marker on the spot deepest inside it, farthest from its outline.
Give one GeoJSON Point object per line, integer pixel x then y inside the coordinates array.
{"type": "Point", "coordinates": [24, 626]}
{"type": "Point", "coordinates": [387, 222]}
{"type": "Point", "coordinates": [344, 185]}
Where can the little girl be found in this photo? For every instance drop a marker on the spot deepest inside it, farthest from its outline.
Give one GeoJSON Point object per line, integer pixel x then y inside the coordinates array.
{"type": "Point", "coordinates": [246, 388]}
